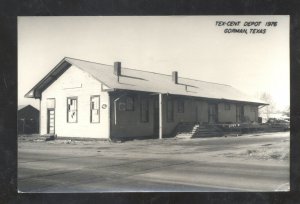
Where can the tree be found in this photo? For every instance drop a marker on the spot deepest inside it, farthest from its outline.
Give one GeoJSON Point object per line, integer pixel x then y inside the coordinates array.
{"type": "Point", "coordinates": [268, 109]}
{"type": "Point", "coordinates": [287, 112]}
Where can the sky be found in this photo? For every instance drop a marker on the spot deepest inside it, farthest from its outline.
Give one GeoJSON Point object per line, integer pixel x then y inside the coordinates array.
{"type": "Point", "coordinates": [192, 45]}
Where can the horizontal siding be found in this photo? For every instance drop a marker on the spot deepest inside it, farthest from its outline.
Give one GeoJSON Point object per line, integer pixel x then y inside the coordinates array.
{"type": "Point", "coordinates": [128, 123]}
{"type": "Point", "coordinates": [226, 116]}
{"type": "Point", "coordinates": [75, 82]}
{"type": "Point", "coordinates": [251, 115]}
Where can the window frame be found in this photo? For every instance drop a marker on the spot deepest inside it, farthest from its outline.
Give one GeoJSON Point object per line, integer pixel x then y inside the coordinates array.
{"type": "Point", "coordinates": [180, 109]}
{"type": "Point", "coordinates": [99, 99]}
{"type": "Point", "coordinates": [227, 106]}
{"type": "Point", "coordinates": [146, 111]}
{"type": "Point", "coordinates": [72, 97]}
{"type": "Point", "coordinates": [172, 111]}
{"type": "Point", "coordinates": [125, 102]}
{"type": "Point", "coordinates": [126, 108]}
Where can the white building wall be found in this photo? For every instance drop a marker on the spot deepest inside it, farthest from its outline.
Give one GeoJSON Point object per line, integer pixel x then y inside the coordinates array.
{"type": "Point", "coordinates": [226, 116]}
{"type": "Point", "coordinates": [251, 113]}
{"type": "Point", "coordinates": [76, 83]}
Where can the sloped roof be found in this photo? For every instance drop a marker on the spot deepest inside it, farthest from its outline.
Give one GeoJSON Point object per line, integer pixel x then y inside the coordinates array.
{"type": "Point", "coordinates": [137, 80]}
{"type": "Point", "coordinates": [20, 107]}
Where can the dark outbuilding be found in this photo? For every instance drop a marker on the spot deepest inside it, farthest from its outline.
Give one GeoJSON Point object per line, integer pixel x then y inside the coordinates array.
{"type": "Point", "coordinates": [28, 119]}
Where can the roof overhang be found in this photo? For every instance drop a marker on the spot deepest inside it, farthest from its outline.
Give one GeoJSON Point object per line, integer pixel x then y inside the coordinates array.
{"type": "Point", "coordinates": [198, 97]}
{"type": "Point", "coordinates": [245, 102]}
{"type": "Point", "coordinates": [56, 72]}
{"type": "Point", "coordinates": [66, 63]}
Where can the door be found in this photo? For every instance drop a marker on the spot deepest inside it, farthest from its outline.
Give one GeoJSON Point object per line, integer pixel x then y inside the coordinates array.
{"type": "Point", "coordinates": [51, 121]}
{"type": "Point", "coordinates": [239, 113]}
{"type": "Point", "coordinates": [196, 111]}
{"type": "Point", "coordinates": [212, 113]}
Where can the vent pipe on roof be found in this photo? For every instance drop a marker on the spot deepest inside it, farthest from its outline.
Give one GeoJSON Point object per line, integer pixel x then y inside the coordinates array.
{"type": "Point", "coordinates": [117, 69]}
{"type": "Point", "coordinates": [175, 77]}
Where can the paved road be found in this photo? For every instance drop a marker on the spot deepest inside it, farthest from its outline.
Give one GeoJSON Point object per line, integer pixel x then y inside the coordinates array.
{"type": "Point", "coordinates": [151, 165]}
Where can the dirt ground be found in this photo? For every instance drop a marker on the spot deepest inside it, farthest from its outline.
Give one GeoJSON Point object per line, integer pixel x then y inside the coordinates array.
{"type": "Point", "coordinates": [253, 162]}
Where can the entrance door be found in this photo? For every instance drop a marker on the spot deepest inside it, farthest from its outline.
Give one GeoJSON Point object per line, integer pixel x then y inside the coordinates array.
{"type": "Point", "coordinates": [196, 111]}
{"type": "Point", "coordinates": [50, 121]}
{"type": "Point", "coordinates": [212, 113]}
{"type": "Point", "coordinates": [239, 113]}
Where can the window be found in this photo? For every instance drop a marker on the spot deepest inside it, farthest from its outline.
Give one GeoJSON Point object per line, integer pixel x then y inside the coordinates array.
{"type": "Point", "coordinates": [95, 109]}
{"type": "Point", "coordinates": [72, 109]}
{"type": "Point", "coordinates": [144, 110]}
{"type": "Point", "coordinates": [126, 104]}
{"type": "Point", "coordinates": [227, 106]}
{"type": "Point", "coordinates": [170, 111]}
{"type": "Point", "coordinates": [129, 103]}
{"type": "Point", "coordinates": [180, 106]}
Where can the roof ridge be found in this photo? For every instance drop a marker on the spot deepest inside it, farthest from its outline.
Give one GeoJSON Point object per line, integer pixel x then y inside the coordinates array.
{"type": "Point", "coordinates": [87, 61]}
{"type": "Point", "coordinates": [150, 72]}
{"type": "Point", "coordinates": [210, 89]}
{"type": "Point", "coordinates": [205, 81]}
{"type": "Point", "coordinates": [178, 77]}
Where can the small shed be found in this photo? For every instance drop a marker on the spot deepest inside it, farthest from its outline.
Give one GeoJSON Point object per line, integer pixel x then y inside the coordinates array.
{"type": "Point", "coordinates": [28, 119]}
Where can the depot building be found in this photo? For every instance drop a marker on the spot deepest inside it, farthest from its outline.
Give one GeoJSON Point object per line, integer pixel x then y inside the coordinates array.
{"type": "Point", "coordinates": [80, 98]}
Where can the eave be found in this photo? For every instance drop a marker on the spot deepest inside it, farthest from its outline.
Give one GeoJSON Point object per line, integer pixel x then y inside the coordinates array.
{"type": "Point", "coordinates": [56, 72]}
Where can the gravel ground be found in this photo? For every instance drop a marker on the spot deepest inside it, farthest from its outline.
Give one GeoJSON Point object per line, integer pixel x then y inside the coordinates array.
{"type": "Point", "coordinates": [271, 151]}
{"type": "Point", "coordinates": [253, 162]}
{"type": "Point", "coordinates": [268, 151]}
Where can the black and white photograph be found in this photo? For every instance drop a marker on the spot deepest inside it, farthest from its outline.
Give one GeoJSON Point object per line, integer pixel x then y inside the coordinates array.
{"type": "Point", "coordinates": [153, 104]}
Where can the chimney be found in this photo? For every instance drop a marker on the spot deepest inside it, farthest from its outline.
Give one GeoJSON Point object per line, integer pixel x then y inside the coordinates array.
{"type": "Point", "coordinates": [175, 77]}
{"type": "Point", "coordinates": [117, 69]}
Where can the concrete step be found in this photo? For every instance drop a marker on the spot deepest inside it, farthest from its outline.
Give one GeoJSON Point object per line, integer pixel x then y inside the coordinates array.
{"type": "Point", "coordinates": [189, 130]}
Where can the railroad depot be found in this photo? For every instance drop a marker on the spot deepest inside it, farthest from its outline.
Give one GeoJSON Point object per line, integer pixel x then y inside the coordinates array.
{"type": "Point", "coordinates": [80, 98]}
